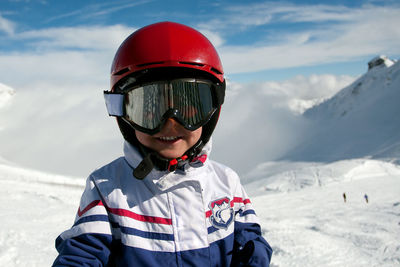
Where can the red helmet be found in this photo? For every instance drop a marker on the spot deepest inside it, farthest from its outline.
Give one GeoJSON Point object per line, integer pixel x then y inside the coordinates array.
{"type": "Point", "coordinates": [165, 44]}
{"type": "Point", "coordinates": [174, 50]}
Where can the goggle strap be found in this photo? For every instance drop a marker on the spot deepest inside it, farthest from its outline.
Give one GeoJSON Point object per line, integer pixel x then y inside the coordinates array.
{"type": "Point", "coordinates": [144, 167]}
{"type": "Point", "coordinates": [114, 103]}
{"type": "Point", "coordinates": [152, 159]}
{"type": "Point", "coordinates": [220, 92]}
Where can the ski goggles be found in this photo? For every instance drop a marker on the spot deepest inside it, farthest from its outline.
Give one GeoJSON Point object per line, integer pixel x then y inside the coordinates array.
{"type": "Point", "coordinates": [147, 106]}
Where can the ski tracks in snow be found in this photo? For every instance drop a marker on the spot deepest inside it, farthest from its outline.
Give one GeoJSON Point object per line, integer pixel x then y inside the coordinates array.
{"type": "Point", "coordinates": [36, 208]}
{"type": "Point", "coordinates": [315, 227]}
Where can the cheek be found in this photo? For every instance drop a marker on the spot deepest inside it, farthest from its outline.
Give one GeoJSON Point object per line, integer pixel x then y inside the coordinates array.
{"type": "Point", "coordinates": [143, 138]}
{"type": "Point", "coordinates": [196, 134]}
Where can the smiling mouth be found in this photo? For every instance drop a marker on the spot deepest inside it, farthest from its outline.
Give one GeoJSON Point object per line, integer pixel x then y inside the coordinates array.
{"type": "Point", "coordinates": [169, 138]}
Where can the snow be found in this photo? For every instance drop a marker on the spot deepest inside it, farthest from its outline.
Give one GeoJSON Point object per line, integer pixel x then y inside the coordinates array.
{"type": "Point", "coordinates": [315, 227]}
{"type": "Point", "coordinates": [379, 60]}
{"type": "Point", "coordinates": [308, 225]}
{"type": "Point", "coordinates": [36, 208]}
{"type": "Point", "coordinates": [298, 175]}
{"type": "Point", "coordinates": [359, 121]}
{"type": "Point", "coordinates": [353, 148]}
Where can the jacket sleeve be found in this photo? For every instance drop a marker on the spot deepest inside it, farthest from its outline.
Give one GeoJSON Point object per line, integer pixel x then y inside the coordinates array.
{"type": "Point", "coordinates": [89, 240]}
{"type": "Point", "coordinates": [250, 248]}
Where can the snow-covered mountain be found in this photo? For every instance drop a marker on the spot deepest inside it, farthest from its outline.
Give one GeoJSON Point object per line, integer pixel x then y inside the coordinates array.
{"type": "Point", "coordinates": [361, 120]}
{"type": "Point", "coordinates": [353, 147]}
{"type": "Point", "coordinates": [302, 213]}
{"type": "Point", "coordinates": [307, 222]}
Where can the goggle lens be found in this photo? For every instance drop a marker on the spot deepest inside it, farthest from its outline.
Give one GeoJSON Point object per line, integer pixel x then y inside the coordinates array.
{"type": "Point", "coordinates": [189, 101]}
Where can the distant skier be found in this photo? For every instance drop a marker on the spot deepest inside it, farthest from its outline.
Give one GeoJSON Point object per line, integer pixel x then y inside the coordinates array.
{"type": "Point", "coordinates": [366, 198]}
{"type": "Point", "coordinates": [344, 197]}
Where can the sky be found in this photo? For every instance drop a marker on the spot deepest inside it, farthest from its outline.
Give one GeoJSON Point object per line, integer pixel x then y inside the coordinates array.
{"type": "Point", "coordinates": [279, 58]}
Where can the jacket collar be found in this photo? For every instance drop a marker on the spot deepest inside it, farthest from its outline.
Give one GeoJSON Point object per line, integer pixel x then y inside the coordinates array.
{"type": "Point", "coordinates": [165, 179]}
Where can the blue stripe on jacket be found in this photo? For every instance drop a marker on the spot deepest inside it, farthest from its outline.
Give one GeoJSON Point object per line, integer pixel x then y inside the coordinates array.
{"type": "Point", "coordinates": [126, 230]}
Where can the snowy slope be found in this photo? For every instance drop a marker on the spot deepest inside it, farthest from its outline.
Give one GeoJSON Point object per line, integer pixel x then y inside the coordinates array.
{"type": "Point", "coordinates": [313, 226]}
{"type": "Point", "coordinates": [353, 147]}
{"type": "Point", "coordinates": [307, 225]}
{"type": "Point", "coordinates": [36, 208]}
{"type": "Point", "coordinates": [293, 176]}
{"type": "Point", "coordinates": [362, 120]}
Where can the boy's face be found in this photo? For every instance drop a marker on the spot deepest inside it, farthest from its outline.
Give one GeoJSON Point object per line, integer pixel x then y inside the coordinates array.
{"type": "Point", "coordinates": [172, 141]}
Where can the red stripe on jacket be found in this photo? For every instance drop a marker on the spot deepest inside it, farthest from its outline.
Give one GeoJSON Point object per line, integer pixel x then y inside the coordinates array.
{"type": "Point", "coordinates": [126, 213]}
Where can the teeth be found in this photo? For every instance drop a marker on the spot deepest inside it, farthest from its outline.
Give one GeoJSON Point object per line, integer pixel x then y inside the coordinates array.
{"type": "Point", "coordinates": [168, 138]}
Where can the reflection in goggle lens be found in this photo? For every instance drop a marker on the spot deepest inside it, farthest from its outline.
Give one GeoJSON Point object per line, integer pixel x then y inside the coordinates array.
{"type": "Point", "coordinates": [189, 101]}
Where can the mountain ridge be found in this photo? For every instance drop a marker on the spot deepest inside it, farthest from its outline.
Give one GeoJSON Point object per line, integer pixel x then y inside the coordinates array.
{"type": "Point", "coordinates": [357, 122]}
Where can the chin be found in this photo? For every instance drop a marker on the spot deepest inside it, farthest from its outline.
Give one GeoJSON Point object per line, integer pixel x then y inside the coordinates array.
{"type": "Point", "coordinates": [170, 154]}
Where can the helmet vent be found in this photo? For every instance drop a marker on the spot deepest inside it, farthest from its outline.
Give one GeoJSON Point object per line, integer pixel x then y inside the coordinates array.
{"type": "Point", "coordinates": [191, 63]}
{"type": "Point", "coordinates": [148, 64]}
{"type": "Point", "coordinates": [216, 71]}
{"type": "Point", "coordinates": [120, 72]}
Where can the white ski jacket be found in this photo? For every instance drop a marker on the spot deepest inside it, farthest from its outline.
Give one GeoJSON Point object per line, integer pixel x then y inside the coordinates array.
{"type": "Point", "coordinates": [196, 216]}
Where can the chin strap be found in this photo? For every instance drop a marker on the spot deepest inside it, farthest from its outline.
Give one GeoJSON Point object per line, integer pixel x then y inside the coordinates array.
{"type": "Point", "coordinates": [152, 160]}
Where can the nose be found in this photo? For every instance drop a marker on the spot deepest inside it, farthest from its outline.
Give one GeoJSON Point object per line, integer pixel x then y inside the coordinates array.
{"type": "Point", "coordinates": [170, 125]}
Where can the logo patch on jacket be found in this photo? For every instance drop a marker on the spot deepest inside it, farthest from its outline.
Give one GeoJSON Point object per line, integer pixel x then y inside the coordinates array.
{"type": "Point", "coordinates": [222, 213]}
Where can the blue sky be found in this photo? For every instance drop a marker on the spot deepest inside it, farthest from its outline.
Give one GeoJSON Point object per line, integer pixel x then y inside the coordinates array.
{"type": "Point", "coordinates": [320, 31]}
{"type": "Point", "coordinates": [278, 56]}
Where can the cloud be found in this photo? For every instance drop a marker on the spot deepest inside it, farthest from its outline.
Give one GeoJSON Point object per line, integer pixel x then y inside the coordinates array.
{"type": "Point", "coordinates": [63, 127]}
{"type": "Point", "coordinates": [7, 26]}
{"type": "Point", "coordinates": [57, 120]}
{"type": "Point", "coordinates": [333, 34]}
{"type": "Point", "coordinates": [116, 6]}
{"type": "Point", "coordinates": [60, 128]}
{"type": "Point", "coordinates": [98, 9]}
{"type": "Point", "coordinates": [6, 94]}
{"type": "Point", "coordinates": [214, 38]}
{"type": "Point", "coordinates": [90, 38]}
{"type": "Point", "coordinates": [261, 121]}
{"type": "Point", "coordinates": [60, 55]}
{"type": "Point", "coordinates": [269, 13]}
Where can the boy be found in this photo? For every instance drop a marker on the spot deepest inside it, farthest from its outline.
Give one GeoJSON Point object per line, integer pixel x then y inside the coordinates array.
{"type": "Point", "coordinates": [164, 203]}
